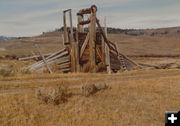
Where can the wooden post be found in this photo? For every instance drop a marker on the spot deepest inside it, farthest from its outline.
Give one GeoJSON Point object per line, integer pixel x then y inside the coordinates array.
{"type": "Point", "coordinates": [63, 39]}
{"type": "Point", "coordinates": [103, 49]}
{"type": "Point", "coordinates": [44, 60]}
{"type": "Point", "coordinates": [65, 27]}
{"type": "Point", "coordinates": [108, 59]}
{"type": "Point", "coordinates": [80, 27]}
{"type": "Point", "coordinates": [107, 50]}
{"type": "Point", "coordinates": [103, 44]}
{"type": "Point", "coordinates": [73, 62]}
{"type": "Point", "coordinates": [71, 27]}
{"type": "Point", "coordinates": [77, 53]}
{"type": "Point", "coordinates": [92, 39]}
{"type": "Point", "coordinates": [105, 27]}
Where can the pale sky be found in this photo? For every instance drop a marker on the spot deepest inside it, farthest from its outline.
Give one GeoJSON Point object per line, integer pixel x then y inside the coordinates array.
{"type": "Point", "coordinates": [32, 17]}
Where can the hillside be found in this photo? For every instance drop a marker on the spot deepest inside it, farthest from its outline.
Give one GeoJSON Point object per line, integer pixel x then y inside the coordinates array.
{"type": "Point", "coordinates": [149, 41]}
{"type": "Point", "coordinates": [168, 32]}
{"type": "Point", "coordinates": [6, 38]}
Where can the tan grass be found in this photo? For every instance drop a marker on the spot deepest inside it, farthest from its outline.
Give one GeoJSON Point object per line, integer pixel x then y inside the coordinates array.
{"type": "Point", "coordinates": [135, 98]}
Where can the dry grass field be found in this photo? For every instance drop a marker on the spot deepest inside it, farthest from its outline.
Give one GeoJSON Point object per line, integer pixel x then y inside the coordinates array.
{"type": "Point", "coordinates": [135, 98]}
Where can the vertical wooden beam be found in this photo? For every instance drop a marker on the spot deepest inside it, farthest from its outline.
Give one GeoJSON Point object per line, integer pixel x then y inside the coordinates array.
{"type": "Point", "coordinates": [63, 39]}
{"type": "Point", "coordinates": [108, 60]}
{"type": "Point", "coordinates": [103, 49]}
{"type": "Point", "coordinates": [65, 27]}
{"type": "Point", "coordinates": [103, 45]}
{"type": "Point", "coordinates": [107, 50]}
{"type": "Point", "coordinates": [73, 61]}
{"type": "Point", "coordinates": [92, 39]}
{"type": "Point", "coordinates": [44, 60]}
{"type": "Point", "coordinates": [71, 27]}
{"type": "Point", "coordinates": [77, 53]}
{"type": "Point", "coordinates": [80, 27]}
{"type": "Point", "coordinates": [105, 27]}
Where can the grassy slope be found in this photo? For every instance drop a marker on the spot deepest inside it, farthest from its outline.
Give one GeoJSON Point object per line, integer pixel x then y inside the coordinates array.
{"type": "Point", "coordinates": [24, 46]}
{"type": "Point", "coordinates": [147, 44]}
{"type": "Point", "coordinates": [52, 41]}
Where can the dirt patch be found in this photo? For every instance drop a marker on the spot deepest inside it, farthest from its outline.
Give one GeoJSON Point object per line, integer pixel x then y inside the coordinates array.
{"type": "Point", "coordinates": [2, 49]}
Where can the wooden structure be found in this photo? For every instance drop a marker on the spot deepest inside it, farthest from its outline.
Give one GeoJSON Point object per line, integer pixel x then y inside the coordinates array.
{"type": "Point", "coordinates": [81, 48]}
{"type": "Point", "coordinates": [92, 47]}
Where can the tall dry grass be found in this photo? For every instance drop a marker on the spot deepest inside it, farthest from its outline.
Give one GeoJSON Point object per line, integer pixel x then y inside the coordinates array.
{"type": "Point", "coordinates": [136, 98]}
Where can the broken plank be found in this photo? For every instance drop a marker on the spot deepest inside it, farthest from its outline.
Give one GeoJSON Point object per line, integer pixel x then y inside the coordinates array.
{"type": "Point", "coordinates": [84, 45]}
{"type": "Point", "coordinates": [65, 70]}
{"type": "Point", "coordinates": [48, 60]}
{"type": "Point", "coordinates": [49, 69]}
{"type": "Point", "coordinates": [32, 57]}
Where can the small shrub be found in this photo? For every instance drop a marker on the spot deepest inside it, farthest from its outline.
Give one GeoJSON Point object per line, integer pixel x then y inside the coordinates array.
{"type": "Point", "coordinates": [52, 95]}
{"type": "Point", "coordinates": [25, 71]}
{"type": "Point", "coordinates": [6, 72]}
{"type": "Point", "coordinates": [88, 89]}
{"type": "Point", "coordinates": [101, 86]}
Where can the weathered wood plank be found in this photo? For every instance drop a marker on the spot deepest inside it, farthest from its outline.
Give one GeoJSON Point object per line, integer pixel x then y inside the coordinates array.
{"type": "Point", "coordinates": [65, 65]}
{"type": "Point", "coordinates": [84, 45]}
{"type": "Point", "coordinates": [65, 70]}
{"type": "Point", "coordinates": [104, 36]}
{"type": "Point", "coordinates": [58, 61]}
{"type": "Point", "coordinates": [63, 39]}
{"type": "Point", "coordinates": [56, 53]}
{"type": "Point", "coordinates": [84, 11]}
{"type": "Point", "coordinates": [103, 50]}
{"type": "Point", "coordinates": [77, 53]}
{"type": "Point", "coordinates": [84, 22]}
{"type": "Point", "coordinates": [48, 60]}
{"type": "Point", "coordinates": [62, 60]}
{"type": "Point", "coordinates": [80, 27]}
{"type": "Point", "coordinates": [107, 51]}
{"type": "Point", "coordinates": [65, 28]}
{"type": "Point", "coordinates": [72, 44]}
{"type": "Point", "coordinates": [33, 57]}
{"type": "Point", "coordinates": [49, 69]}
{"type": "Point", "coordinates": [52, 55]}
{"type": "Point", "coordinates": [92, 39]}
{"type": "Point", "coordinates": [98, 51]}
{"type": "Point", "coordinates": [133, 62]}
{"type": "Point", "coordinates": [113, 52]}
